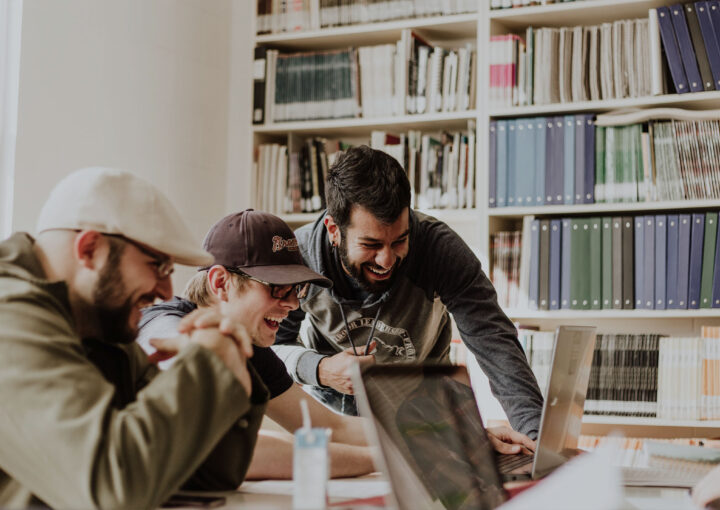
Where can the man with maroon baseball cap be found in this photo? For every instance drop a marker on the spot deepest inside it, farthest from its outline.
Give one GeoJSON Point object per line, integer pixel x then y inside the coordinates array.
{"type": "Point", "coordinates": [257, 278]}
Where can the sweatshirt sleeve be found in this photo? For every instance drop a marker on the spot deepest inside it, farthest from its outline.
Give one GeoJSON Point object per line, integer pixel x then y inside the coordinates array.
{"type": "Point", "coordinates": [301, 362]}
{"type": "Point", "coordinates": [65, 441]}
{"type": "Point", "coordinates": [484, 327]}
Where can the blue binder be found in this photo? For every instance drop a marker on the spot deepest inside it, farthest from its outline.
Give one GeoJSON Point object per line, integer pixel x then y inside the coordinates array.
{"type": "Point", "coordinates": [671, 283]}
{"type": "Point", "coordinates": [525, 162]}
{"type": "Point", "coordinates": [589, 197]}
{"type": "Point", "coordinates": [660, 260]}
{"type": "Point", "coordinates": [696, 256]}
{"type": "Point", "coordinates": [540, 143]}
{"type": "Point", "coordinates": [512, 169]}
{"type": "Point", "coordinates": [672, 50]}
{"type": "Point", "coordinates": [492, 165]}
{"type": "Point", "coordinates": [579, 159]}
{"type": "Point", "coordinates": [569, 160]}
{"type": "Point", "coordinates": [502, 164]}
{"type": "Point", "coordinates": [687, 51]}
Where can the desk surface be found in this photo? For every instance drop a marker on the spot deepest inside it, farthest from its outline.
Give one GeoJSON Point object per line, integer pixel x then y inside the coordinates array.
{"type": "Point", "coordinates": [277, 494]}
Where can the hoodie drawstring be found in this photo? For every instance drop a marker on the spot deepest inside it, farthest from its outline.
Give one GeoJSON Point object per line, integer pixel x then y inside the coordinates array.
{"type": "Point", "coordinates": [372, 330]}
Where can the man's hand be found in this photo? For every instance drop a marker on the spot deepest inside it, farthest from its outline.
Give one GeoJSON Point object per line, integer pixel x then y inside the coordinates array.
{"type": "Point", "coordinates": [506, 440]}
{"type": "Point", "coordinates": [229, 350]}
{"type": "Point", "coordinates": [707, 490]}
{"type": "Point", "coordinates": [334, 371]}
{"type": "Point", "coordinates": [202, 319]}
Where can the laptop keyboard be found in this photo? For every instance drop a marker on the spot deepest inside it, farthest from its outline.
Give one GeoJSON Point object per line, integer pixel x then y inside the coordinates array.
{"type": "Point", "coordinates": [508, 462]}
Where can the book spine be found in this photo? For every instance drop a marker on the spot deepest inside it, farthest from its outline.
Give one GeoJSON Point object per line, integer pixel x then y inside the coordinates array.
{"type": "Point", "coordinates": [684, 239]}
{"type": "Point", "coordinates": [492, 165]}
{"type": "Point", "coordinates": [595, 228]}
{"type": "Point", "coordinates": [696, 259]}
{"type": "Point", "coordinates": [699, 45]}
{"type": "Point", "coordinates": [544, 266]}
{"type": "Point", "coordinates": [628, 270]}
{"type": "Point", "coordinates": [648, 267]}
{"type": "Point", "coordinates": [639, 258]}
{"type": "Point", "coordinates": [534, 280]}
{"type": "Point", "coordinates": [617, 262]}
{"type": "Point", "coordinates": [672, 262]}
{"type": "Point", "coordinates": [672, 50]}
{"type": "Point", "coordinates": [565, 264]}
{"type": "Point", "coordinates": [555, 259]}
{"type": "Point", "coordinates": [708, 262]}
{"type": "Point", "coordinates": [607, 261]}
{"type": "Point", "coordinates": [687, 52]}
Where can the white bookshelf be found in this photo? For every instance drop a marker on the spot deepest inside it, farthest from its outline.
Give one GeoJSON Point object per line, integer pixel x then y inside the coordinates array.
{"type": "Point", "coordinates": [476, 225]}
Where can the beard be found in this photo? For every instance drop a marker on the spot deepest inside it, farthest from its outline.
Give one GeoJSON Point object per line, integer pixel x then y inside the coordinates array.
{"type": "Point", "coordinates": [357, 273]}
{"type": "Point", "coordinates": [113, 320]}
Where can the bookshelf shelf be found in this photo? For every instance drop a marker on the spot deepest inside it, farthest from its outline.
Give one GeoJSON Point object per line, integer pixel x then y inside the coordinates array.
{"type": "Point", "coordinates": [649, 427]}
{"type": "Point", "coordinates": [560, 14]}
{"type": "Point", "coordinates": [696, 101]}
{"type": "Point", "coordinates": [454, 27]}
{"type": "Point", "coordinates": [596, 315]}
{"type": "Point", "coordinates": [355, 126]}
{"type": "Point", "coordinates": [446, 215]}
{"type": "Point", "coordinates": [603, 208]}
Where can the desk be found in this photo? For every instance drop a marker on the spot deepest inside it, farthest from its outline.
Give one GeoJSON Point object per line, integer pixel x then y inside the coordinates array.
{"type": "Point", "coordinates": [276, 495]}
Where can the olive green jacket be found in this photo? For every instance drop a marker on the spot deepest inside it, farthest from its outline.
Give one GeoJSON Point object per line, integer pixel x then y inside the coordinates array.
{"type": "Point", "coordinates": [91, 424]}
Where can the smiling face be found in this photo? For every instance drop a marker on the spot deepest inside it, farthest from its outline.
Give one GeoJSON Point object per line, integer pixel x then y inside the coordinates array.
{"type": "Point", "coordinates": [252, 305]}
{"type": "Point", "coordinates": [371, 250]}
{"type": "Point", "coordinates": [127, 282]}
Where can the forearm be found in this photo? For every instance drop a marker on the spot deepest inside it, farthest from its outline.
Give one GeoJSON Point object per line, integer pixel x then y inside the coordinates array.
{"type": "Point", "coordinates": [273, 458]}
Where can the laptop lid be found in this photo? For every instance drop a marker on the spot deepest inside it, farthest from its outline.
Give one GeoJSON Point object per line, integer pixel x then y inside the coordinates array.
{"type": "Point", "coordinates": [432, 443]}
{"type": "Point", "coordinates": [565, 399]}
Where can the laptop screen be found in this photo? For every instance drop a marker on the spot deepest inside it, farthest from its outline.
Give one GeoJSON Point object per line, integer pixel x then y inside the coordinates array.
{"type": "Point", "coordinates": [436, 451]}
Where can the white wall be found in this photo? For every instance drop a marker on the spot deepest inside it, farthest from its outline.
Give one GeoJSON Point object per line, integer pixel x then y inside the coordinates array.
{"type": "Point", "coordinates": [137, 84]}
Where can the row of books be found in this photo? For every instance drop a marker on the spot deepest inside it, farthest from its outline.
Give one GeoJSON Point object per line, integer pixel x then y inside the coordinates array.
{"type": "Point", "coordinates": [645, 375]}
{"type": "Point", "coordinates": [410, 76]}
{"type": "Point", "coordinates": [666, 261]}
{"type": "Point", "coordinates": [274, 16]}
{"type": "Point", "coordinates": [507, 4]}
{"type": "Point", "coordinates": [690, 36]}
{"type": "Point", "coordinates": [441, 170]}
{"type": "Point", "coordinates": [505, 248]}
{"type": "Point", "coordinates": [571, 64]}
{"type": "Point", "coordinates": [569, 160]}
{"type": "Point", "coordinates": [293, 181]}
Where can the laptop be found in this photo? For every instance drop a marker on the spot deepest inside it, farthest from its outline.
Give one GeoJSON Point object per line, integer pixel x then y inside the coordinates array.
{"type": "Point", "coordinates": [562, 412]}
{"type": "Point", "coordinates": [430, 439]}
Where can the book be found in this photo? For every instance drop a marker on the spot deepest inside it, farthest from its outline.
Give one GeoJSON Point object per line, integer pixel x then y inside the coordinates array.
{"type": "Point", "coordinates": [617, 262]}
{"type": "Point", "coordinates": [687, 52]}
{"type": "Point", "coordinates": [595, 228]}
{"type": "Point", "coordinates": [534, 280]}
{"type": "Point", "coordinates": [710, 40]}
{"type": "Point", "coordinates": [660, 261]}
{"type": "Point", "coordinates": [639, 260]}
{"type": "Point", "coordinates": [699, 46]}
{"type": "Point", "coordinates": [708, 261]}
{"type": "Point", "coordinates": [628, 270]}
{"type": "Point", "coordinates": [259, 73]}
{"type": "Point", "coordinates": [492, 165]}
{"type": "Point", "coordinates": [544, 266]}
{"type": "Point", "coordinates": [683, 265]}
{"type": "Point", "coordinates": [672, 50]}
{"type": "Point", "coordinates": [565, 264]}
{"type": "Point", "coordinates": [671, 286]}
{"type": "Point", "coordinates": [607, 263]}
{"type": "Point", "coordinates": [697, 236]}
{"type": "Point", "coordinates": [555, 260]}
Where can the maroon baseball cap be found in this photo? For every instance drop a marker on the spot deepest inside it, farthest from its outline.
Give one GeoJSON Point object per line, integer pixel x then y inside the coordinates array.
{"type": "Point", "coordinates": [261, 245]}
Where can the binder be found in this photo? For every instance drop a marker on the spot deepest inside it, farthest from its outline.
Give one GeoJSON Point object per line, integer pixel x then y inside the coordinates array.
{"type": "Point", "coordinates": [492, 165]}
{"type": "Point", "coordinates": [579, 273]}
{"type": "Point", "coordinates": [639, 259]}
{"type": "Point", "coordinates": [617, 262]}
{"type": "Point", "coordinates": [579, 159]}
{"type": "Point", "coordinates": [544, 266]}
{"type": "Point", "coordinates": [501, 163]}
{"type": "Point", "coordinates": [708, 262]}
{"type": "Point", "coordinates": [524, 163]}
{"type": "Point", "coordinates": [540, 149]}
{"type": "Point", "coordinates": [512, 161]}
{"type": "Point", "coordinates": [712, 48]}
{"type": "Point", "coordinates": [565, 264]}
{"type": "Point", "coordinates": [687, 52]}
{"type": "Point", "coordinates": [534, 281]}
{"type": "Point", "coordinates": [554, 161]}
{"type": "Point", "coordinates": [259, 74]}
{"type": "Point", "coordinates": [628, 270]}
{"type": "Point", "coordinates": [568, 160]}
{"type": "Point", "coordinates": [649, 263]}
{"type": "Point", "coordinates": [607, 263]}
{"type": "Point", "coordinates": [595, 228]}
{"type": "Point", "coordinates": [672, 262]}
{"type": "Point", "coordinates": [555, 259]}
{"type": "Point", "coordinates": [589, 180]}
{"type": "Point", "coordinates": [672, 50]}
{"type": "Point", "coordinates": [660, 260]}
{"type": "Point", "coordinates": [699, 45]}
{"type": "Point", "coordinates": [684, 237]}
{"type": "Point", "coordinates": [696, 258]}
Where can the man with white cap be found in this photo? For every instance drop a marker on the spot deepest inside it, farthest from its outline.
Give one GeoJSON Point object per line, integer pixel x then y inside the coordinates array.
{"type": "Point", "coordinates": [84, 421]}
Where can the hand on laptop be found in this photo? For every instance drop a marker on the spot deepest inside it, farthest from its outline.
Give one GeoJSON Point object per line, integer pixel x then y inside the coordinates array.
{"type": "Point", "coordinates": [506, 440]}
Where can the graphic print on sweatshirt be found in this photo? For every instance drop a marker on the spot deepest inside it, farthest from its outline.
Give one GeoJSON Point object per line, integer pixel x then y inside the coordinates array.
{"type": "Point", "coordinates": [392, 344]}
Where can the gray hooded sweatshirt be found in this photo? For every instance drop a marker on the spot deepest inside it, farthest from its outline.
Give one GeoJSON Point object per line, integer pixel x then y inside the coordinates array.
{"type": "Point", "coordinates": [411, 322]}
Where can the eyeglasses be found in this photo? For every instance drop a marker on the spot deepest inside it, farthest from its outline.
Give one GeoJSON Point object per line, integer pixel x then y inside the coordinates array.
{"type": "Point", "coordinates": [278, 291]}
{"type": "Point", "coordinates": [163, 265]}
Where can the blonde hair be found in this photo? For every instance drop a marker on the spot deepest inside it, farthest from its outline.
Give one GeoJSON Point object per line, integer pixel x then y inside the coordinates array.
{"type": "Point", "coordinates": [198, 290]}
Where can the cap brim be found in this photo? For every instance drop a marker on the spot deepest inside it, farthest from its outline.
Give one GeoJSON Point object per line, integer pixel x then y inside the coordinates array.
{"type": "Point", "coordinates": [287, 275]}
{"type": "Point", "coordinates": [195, 258]}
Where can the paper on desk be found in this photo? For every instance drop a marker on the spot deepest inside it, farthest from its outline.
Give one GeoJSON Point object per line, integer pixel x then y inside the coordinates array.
{"type": "Point", "coordinates": [589, 481]}
{"type": "Point", "coordinates": [350, 488]}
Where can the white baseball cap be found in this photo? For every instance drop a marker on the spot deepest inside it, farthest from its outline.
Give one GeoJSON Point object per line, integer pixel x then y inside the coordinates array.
{"type": "Point", "coordinates": [118, 202]}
